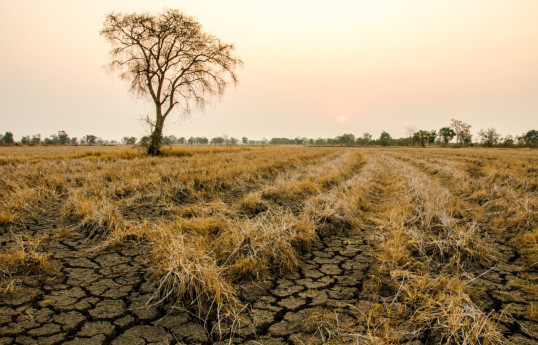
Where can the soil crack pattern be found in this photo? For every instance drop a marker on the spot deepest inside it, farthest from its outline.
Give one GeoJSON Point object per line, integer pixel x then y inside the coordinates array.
{"type": "Point", "coordinates": [314, 305]}
{"type": "Point", "coordinates": [95, 297]}
{"type": "Point", "coordinates": [100, 297]}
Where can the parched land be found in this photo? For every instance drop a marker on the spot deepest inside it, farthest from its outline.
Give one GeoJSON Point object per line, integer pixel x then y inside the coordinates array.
{"type": "Point", "coordinates": [276, 245]}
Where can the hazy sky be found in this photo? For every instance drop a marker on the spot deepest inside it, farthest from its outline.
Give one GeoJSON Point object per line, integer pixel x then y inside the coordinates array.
{"type": "Point", "coordinates": [378, 65]}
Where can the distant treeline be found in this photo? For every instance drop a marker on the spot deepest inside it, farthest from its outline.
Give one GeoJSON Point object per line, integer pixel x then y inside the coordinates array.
{"type": "Point", "coordinates": [62, 138]}
{"type": "Point", "coordinates": [458, 133]}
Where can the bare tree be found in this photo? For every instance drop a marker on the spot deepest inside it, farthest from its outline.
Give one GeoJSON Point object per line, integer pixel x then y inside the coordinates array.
{"type": "Point", "coordinates": [410, 130]}
{"type": "Point", "coordinates": [462, 130]}
{"type": "Point", "coordinates": [489, 137]}
{"type": "Point", "coordinates": [168, 58]}
{"type": "Point", "coordinates": [128, 140]}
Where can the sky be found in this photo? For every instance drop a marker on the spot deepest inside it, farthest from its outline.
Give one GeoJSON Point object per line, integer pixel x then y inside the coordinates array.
{"type": "Point", "coordinates": [311, 68]}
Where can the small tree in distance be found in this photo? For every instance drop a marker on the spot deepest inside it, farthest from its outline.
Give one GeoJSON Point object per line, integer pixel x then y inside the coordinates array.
{"type": "Point", "coordinates": [128, 140]}
{"type": "Point", "coordinates": [508, 141]}
{"type": "Point", "coordinates": [421, 137]}
{"type": "Point", "coordinates": [463, 132]}
{"type": "Point", "coordinates": [89, 139]}
{"type": "Point", "coordinates": [217, 141]}
{"type": "Point", "coordinates": [433, 136]}
{"type": "Point", "coordinates": [385, 138]}
{"type": "Point", "coordinates": [446, 134]}
{"type": "Point", "coordinates": [168, 58]}
{"type": "Point", "coordinates": [7, 139]}
{"type": "Point", "coordinates": [346, 139]}
{"type": "Point", "coordinates": [489, 137]}
{"type": "Point", "coordinates": [36, 139]}
{"type": "Point", "coordinates": [531, 137]}
{"type": "Point", "coordinates": [63, 138]}
{"type": "Point", "coordinates": [364, 140]}
{"type": "Point", "coordinates": [410, 130]}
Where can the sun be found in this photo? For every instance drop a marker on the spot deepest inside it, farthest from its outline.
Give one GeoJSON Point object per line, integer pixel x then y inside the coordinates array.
{"type": "Point", "coordinates": [342, 118]}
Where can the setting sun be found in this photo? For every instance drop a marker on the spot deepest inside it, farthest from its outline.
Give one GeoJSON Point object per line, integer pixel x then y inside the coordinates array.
{"type": "Point", "coordinates": [342, 118]}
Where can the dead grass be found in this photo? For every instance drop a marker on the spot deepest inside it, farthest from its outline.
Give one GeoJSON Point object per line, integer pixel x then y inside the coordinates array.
{"type": "Point", "coordinates": [200, 209]}
{"type": "Point", "coordinates": [426, 249]}
{"type": "Point", "coordinates": [217, 216]}
{"type": "Point", "coordinates": [188, 272]}
{"type": "Point", "coordinates": [96, 215]}
{"type": "Point", "coordinates": [442, 307]}
{"type": "Point", "coordinates": [22, 260]}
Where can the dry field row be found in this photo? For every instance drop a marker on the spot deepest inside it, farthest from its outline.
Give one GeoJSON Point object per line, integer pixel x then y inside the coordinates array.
{"type": "Point", "coordinates": [370, 245]}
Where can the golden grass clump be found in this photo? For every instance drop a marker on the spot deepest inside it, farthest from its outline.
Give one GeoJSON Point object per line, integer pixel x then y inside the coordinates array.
{"type": "Point", "coordinates": [528, 242]}
{"type": "Point", "coordinates": [198, 259]}
{"type": "Point", "coordinates": [291, 189]}
{"type": "Point", "coordinates": [22, 260]}
{"type": "Point", "coordinates": [187, 272]}
{"type": "Point", "coordinates": [442, 307]}
{"type": "Point", "coordinates": [21, 202]}
{"type": "Point", "coordinates": [251, 204]}
{"type": "Point", "coordinates": [97, 215]}
{"type": "Point", "coordinates": [343, 206]}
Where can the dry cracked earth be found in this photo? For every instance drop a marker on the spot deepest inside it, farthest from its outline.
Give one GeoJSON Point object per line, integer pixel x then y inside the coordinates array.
{"type": "Point", "coordinates": [100, 297]}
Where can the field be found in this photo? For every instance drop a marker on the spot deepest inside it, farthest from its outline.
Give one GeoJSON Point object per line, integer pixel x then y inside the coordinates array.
{"type": "Point", "coordinates": [268, 245]}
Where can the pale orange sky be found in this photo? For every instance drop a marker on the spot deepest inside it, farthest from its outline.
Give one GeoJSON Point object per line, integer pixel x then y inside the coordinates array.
{"type": "Point", "coordinates": [381, 65]}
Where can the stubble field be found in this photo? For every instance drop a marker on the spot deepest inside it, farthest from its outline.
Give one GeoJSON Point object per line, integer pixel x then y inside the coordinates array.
{"type": "Point", "coordinates": [276, 245]}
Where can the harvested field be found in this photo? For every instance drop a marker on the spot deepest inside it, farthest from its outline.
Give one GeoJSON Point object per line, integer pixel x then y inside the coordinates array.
{"type": "Point", "coordinates": [276, 245]}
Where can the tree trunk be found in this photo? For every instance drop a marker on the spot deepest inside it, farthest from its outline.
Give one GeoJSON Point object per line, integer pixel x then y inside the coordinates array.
{"type": "Point", "coordinates": [154, 148]}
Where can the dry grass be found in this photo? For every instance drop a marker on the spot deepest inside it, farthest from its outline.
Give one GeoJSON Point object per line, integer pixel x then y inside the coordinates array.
{"type": "Point", "coordinates": [428, 247]}
{"type": "Point", "coordinates": [497, 188]}
{"type": "Point", "coordinates": [205, 211]}
{"type": "Point", "coordinates": [22, 260]}
{"type": "Point", "coordinates": [217, 216]}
